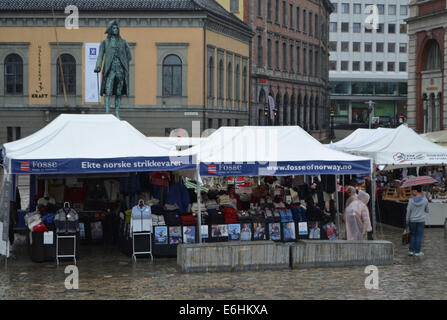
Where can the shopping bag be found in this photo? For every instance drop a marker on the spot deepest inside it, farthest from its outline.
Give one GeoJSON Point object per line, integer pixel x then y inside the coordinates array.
{"type": "Point", "coordinates": [406, 236]}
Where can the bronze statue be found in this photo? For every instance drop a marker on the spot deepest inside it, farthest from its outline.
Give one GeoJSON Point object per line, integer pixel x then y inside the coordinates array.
{"type": "Point", "coordinates": [115, 73]}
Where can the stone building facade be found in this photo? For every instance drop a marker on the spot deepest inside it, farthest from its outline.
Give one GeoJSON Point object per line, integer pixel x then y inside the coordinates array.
{"type": "Point", "coordinates": [427, 65]}
{"type": "Point", "coordinates": [190, 62]}
{"type": "Point", "coordinates": [290, 63]}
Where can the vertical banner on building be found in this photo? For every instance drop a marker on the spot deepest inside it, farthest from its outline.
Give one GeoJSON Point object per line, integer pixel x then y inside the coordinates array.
{"type": "Point", "coordinates": [92, 79]}
{"type": "Point", "coordinates": [5, 198]}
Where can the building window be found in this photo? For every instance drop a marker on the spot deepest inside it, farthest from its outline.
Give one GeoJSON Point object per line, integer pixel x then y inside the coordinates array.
{"type": "Point", "coordinates": [277, 55]}
{"type": "Point", "coordinates": [291, 16]}
{"type": "Point", "coordinates": [13, 134]}
{"type": "Point", "coordinates": [380, 28]}
{"type": "Point", "coordinates": [238, 84]}
{"type": "Point", "coordinates": [391, 47]}
{"type": "Point", "coordinates": [219, 123]}
{"type": "Point", "coordinates": [69, 70]}
{"type": "Point", "coordinates": [304, 61]}
{"type": "Point", "coordinates": [357, 8]}
{"type": "Point", "coordinates": [333, 65]}
{"type": "Point", "coordinates": [403, 28]}
{"type": "Point", "coordinates": [333, 26]}
{"type": "Point", "coordinates": [345, 27]}
{"type": "Point", "coordinates": [269, 53]}
{"type": "Point", "coordinates": [260, 8]}
{"type": "Point", "coordinates": [211, 78]}
{"type": "Point", "coordinates": [210, 123]}
{"type": "Point", "coordinates": [344, 46]}
{"type": "Point", "coordinates": [316, 27]}
{"type": "Point", "coordinates": [381, 8]}
{"type": "Point", "coordinates": [311, 69]}
{"type": "Point", "coordinates": [310, 23]}
{"type": "Point", "coordinates": [291, 58]}
{"type": "Point", "coordinates": [402, 66]}
{"type": "Point", "coordinates": [391, 28]}
{"type": "Point", "coordinates": [368, 29]}
{"type": "Point", "coordinates": [284, 14]}
{"type": "Point", "coordinates": [284, 57]}
{"type": "Point", "coordinates": [379, 47]}
{"type": "Point", "coordinates": [13, 74]}
{"type": "Point", "coordinates": [356, 27]}
{"type": "Point", "coordinates": [220, 79]}
{"type": "Point", "coordinates": [356, 47]}
{"type": "Point", "coordinates": [368, 66]}
{"type": "Point", "coordinates": [244, 85]}
{"type": "Point", "coordinates": [344, 65]}
{"type": "Point", "coordinates": [433, 57]}
{"type": "Point", "coordinates": [368, 46]}
{"type": "Point", "coordinates": [335, 7]}
{"type": "Point", "coordinates": [392, 9]}
{"type": "Point", "coordinates": [379, 65]}
{"type": "Point", "coordinates": [277, 11]}
{"type": "Point", "coordinates": [345, 8]}
{"type": "Point", "coordinates": [229, 83]}
{"type": "Point", "coordinates": [234, 5]}
{"type": "Point", "coordinates": [304, 20]}
{"type": "Point", "coordinates": [356, 66]}
{"type": "Point", "coordinates": [269, 10]}
{"type": "Point", "coordinates": [298, 49]}
{"type": "Point", "coordinates": [402, 47]}
{"type": "Point", "coordinates": [403, 10]}
{"type": "Point", "coordinates": [333, 46]}
{"type": "Point", "coordinates": [260, 59]}
{"type": "Point", "coordinates": [390, 66]}
{"type": "Point", "coordinates": [297, 18]}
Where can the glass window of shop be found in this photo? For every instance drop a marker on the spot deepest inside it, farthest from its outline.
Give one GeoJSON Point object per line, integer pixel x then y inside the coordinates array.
{"type": "Point", "coordinates": [386, 88]}
{"type": "Point", "coordinates": [384, 110]}
{"type": "Point", "coordinates": [401, 108]}
{"type": "Point", "coordinates": [341, 114]}
{"type": "Point", "coordinates": [362, 88]}
{"type": "Point", "coordinates": [403, 87]}
{"type": "Point", "coordinates": [359, 112]}
{"type": "Point", "coordinates": [340, 87]}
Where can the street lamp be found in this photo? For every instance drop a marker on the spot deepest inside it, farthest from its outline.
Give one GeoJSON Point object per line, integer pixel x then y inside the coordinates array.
{"type": "Point", "coordinates": [370, 111]}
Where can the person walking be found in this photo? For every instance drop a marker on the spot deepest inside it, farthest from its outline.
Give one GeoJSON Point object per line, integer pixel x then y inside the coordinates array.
{"type": "Point", "coordinates": [416, 210]}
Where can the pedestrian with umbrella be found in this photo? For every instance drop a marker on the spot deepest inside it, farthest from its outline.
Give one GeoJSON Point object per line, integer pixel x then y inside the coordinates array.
{"type": "Point", "coordinates": [417, 208]}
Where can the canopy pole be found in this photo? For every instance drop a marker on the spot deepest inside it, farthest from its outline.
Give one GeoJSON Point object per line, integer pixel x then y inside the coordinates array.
{"type": "Point", "coordinates": [336, 205]}
{"type": "Point", "coordinates": [199, 202]}
{"type": "Point", "coordinates": [373, 199]}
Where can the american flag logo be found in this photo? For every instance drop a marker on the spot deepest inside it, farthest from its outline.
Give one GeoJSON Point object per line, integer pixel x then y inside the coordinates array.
{"type": "Point", "coordinates": [24, 166]}
{"type": "Point", "coordinates": [212, 168]}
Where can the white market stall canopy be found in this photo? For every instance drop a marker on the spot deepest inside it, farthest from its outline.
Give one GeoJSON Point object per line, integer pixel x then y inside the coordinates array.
{"type": "Point", "coordinates": [402, 148]}
{"type": "Point", "coordinates": [360, 138]}
{"type": "Point", "coordinates": [439, 137]}
{"type": "Point", "coordinates": [89, 144]}
{"type": "Point", "coordinates": [265, 151]}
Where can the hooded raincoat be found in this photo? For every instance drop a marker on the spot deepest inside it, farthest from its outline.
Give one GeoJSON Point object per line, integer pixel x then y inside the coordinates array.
{"type": "Point", "coordinates": [357, 217]}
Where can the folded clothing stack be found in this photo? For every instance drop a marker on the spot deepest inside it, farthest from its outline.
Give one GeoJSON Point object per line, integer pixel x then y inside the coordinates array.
{"type": "Point", "coordinates": [216, 217]}
{"type": "Point", "coordinates": [298, 213]}
{"type": "Point", "coordinates": [153, 202]}
{"type": "Point", "coordinates": [286, 215]}
{"type": "Point", "coordinates": [244, 217]}
{"type": "Point", "coordinates": [230, 215]}
{"type": "Point", "coordinates": [171, 207]}
{"type": "Point", "coordinates": [224, 199]}
{"type": "Point", "coordinates": [158, 220]}
{"type": "Point", "coordinates": [212, 204]}
{"type": "Point", "coordinates": [40, 228]}
{"type": "Point", "coordinates": [32, 219]}
{"type": "Point", "coordinates": [172, 218]}
{"type": "Point", "coordinates": [195, 208]}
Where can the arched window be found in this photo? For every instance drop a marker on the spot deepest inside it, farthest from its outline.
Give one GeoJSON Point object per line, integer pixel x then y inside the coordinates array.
{"type": "Point", "coordinates": [244, 85]}
{"type": "Point", "coordinates": [211, 78]}
{"type": "Point", "coordinates": [172, 76]}
{"type": "Point", "coordinates": [69, 69]}
{"type": "Point", "coordinates": [220, 80]}
{"type": "Point", "coordinates": [229, 83]}
{"type": "Point", "coordinates": [238, 84]}
{"type": "Point", "coordinates": [13, 74]}
{"type": "Point", "coordinates": [432, 56]}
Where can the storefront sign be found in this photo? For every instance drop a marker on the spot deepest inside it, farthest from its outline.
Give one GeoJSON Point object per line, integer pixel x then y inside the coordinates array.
{"type": "Point", "coordinates": [423, 158]}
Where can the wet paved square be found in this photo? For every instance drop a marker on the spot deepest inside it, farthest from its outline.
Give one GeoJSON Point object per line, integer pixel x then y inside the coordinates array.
{"type": "Point", "coordinates": [106, 273]}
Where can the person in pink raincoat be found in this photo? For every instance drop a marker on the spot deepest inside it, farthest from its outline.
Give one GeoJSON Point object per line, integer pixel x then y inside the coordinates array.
{"type": "Point", "coordinates": [357, 218]}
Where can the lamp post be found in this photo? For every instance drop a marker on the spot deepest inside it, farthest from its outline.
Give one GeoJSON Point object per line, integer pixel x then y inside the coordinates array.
{"type": "Point", "coordinates": [370, 111]}
{"type": "Point", "coordinates": [332, 114]}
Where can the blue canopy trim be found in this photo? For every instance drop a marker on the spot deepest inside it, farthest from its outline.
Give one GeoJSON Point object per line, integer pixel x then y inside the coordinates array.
{"type": "Point", "coordinates": [137, 164]}
{"type": "Point", "coordinates": [285, 168]}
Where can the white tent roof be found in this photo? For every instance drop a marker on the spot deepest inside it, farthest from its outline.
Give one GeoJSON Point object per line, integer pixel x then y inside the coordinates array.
{"type": "Point", "coordinates": [436, 137]}
{"type": "Point", "coordinates": [360, 138]}
{"type": "Point", "coordinates": [173, 142]}
{"type": "Point", "coordinates": [86, 137]}
{"type": "Point", "coordinates": [403, 148]}
{"type": "Point", "coordinates": [267, 144]}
